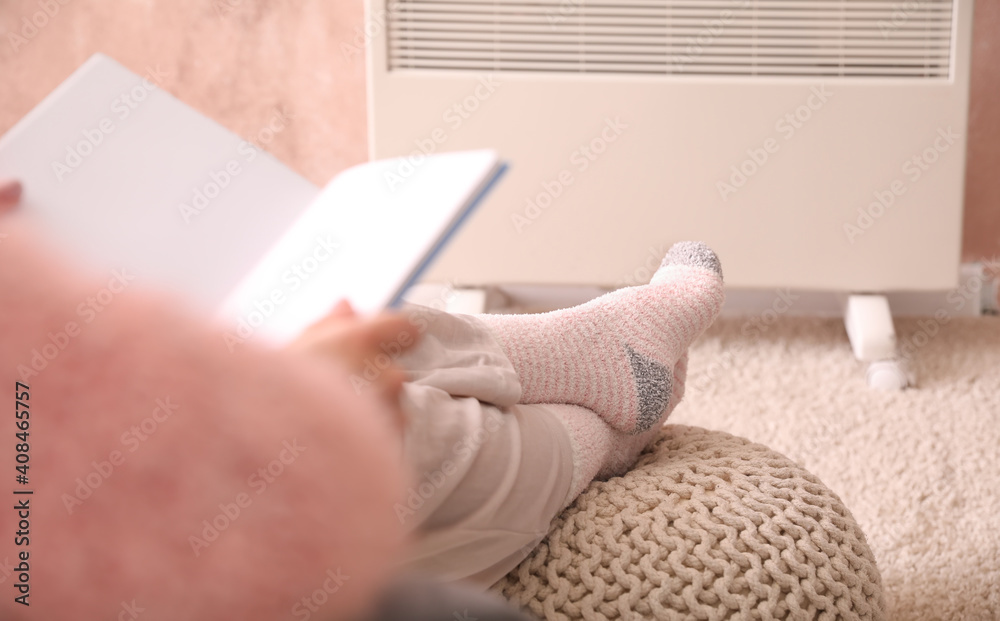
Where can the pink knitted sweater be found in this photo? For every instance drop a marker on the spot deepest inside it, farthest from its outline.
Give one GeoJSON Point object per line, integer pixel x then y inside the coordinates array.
{"type": "Point", "coordinates": [170, 478]}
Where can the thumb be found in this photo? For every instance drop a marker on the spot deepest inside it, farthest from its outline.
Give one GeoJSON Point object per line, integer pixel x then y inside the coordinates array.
{"type": "Point", "coordinates": [10, 194]}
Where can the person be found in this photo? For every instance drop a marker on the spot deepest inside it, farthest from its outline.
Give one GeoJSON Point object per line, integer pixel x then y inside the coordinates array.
{"type": "Point", "coordinates": [431, 443]}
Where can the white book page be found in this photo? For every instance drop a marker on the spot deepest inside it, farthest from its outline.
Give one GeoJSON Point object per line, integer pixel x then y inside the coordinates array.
{"type": "Point", "coordinates": [362, 239]}
{"type": "Point", "coordinates": [123, 176]}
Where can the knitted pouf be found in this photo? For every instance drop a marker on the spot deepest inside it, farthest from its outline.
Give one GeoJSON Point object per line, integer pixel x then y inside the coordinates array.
{"type": "Point", "coordinates": [706, 526]}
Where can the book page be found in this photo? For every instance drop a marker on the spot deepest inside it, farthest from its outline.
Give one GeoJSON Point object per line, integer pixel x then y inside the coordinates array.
{"type": "Point", "coordinates": [365, 239]}
{"type": "Point", "coordinates": [123, 176]}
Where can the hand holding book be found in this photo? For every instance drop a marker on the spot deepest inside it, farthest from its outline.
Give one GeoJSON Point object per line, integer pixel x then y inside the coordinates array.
{"type": "Point", "coordinates": [356, 341]}
{"type": "Point", "coordinates": [343, 335]}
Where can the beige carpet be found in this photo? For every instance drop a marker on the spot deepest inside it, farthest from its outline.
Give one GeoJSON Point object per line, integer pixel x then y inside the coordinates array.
{"type": "Point", "coordinates": [919, 469]}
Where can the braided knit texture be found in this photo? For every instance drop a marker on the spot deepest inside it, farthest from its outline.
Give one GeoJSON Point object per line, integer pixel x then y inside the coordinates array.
{"type": "Point", "coordinates": [705, 526]}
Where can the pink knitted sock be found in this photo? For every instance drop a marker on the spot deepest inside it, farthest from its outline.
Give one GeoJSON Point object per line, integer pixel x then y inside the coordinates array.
{"type": "Point", "coordinates": [599, 452]}
{"type": "Point", "coordinates": [616, 355]}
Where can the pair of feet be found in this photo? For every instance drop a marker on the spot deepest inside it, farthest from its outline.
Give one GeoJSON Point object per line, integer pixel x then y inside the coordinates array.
{"type": "Point", "coordinates": [621, 355]}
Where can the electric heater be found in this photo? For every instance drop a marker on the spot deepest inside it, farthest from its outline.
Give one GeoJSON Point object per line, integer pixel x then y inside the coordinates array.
{"type": "Point", "coordinates": [815, 144]}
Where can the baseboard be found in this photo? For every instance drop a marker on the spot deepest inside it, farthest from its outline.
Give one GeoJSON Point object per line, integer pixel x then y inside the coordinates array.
{"type": "Point", "coordinates": [976, 294]}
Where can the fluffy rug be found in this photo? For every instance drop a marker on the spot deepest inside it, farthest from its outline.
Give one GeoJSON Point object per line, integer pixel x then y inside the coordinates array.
{"type": "Point", "coordinates": [919, 469]}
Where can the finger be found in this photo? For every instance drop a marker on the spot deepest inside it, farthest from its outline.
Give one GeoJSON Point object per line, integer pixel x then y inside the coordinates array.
{"type": "Point", "coordinates": [390, 328]}
{"type": "Point", "coordinates": [343, 308]}
{"type": "Point", "coordinates": [339, 314]}
{"type": "Point", "coordinates": [10, 194]}
{"type": "Point", "coordinates": [391, 382]}
{"type": "Point", "coordinates": [338, 320]}
{"type": "Point", "coordinates": [392, 395]}
{"type": "Point", "coordinates": [386, 383]}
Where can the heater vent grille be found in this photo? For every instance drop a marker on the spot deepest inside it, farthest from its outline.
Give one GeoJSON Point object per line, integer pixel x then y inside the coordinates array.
{"type": "Point", "coordinates": [815, 38]}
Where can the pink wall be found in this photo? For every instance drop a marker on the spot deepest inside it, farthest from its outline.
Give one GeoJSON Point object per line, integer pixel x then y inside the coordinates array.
{"type": "Point", "coordinates": [982, 177]}
{"type": "Point", "coordinates": [234, 60]}
{"type": "Point", "coordinates": [239, 60]}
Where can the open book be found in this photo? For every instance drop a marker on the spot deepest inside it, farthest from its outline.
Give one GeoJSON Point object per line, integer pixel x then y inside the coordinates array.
{"type": "Point", "coordinates": [128, 178]}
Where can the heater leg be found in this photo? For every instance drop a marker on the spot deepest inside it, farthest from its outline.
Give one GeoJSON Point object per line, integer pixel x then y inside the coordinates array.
{"type": "Point", "coordinates": [465, 300]}
{"type": "Point", "coordinates": [873, 339]}
{"type": "Point", "coordinates": [476, 300]}
{"type": "Point", "coordinates": [468, 301]}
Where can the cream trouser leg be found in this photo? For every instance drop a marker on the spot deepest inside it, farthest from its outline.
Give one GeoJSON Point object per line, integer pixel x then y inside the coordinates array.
{"type": "Point", "coordinates": [492, 474]}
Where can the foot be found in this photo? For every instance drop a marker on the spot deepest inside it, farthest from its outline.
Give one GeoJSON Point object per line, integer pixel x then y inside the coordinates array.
{"type": "Point", "coordinates": [618, 355]}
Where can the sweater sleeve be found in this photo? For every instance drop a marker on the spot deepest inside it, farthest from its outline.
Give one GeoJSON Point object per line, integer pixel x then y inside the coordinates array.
{"type": "Point", "coordinates": [171, 475]}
